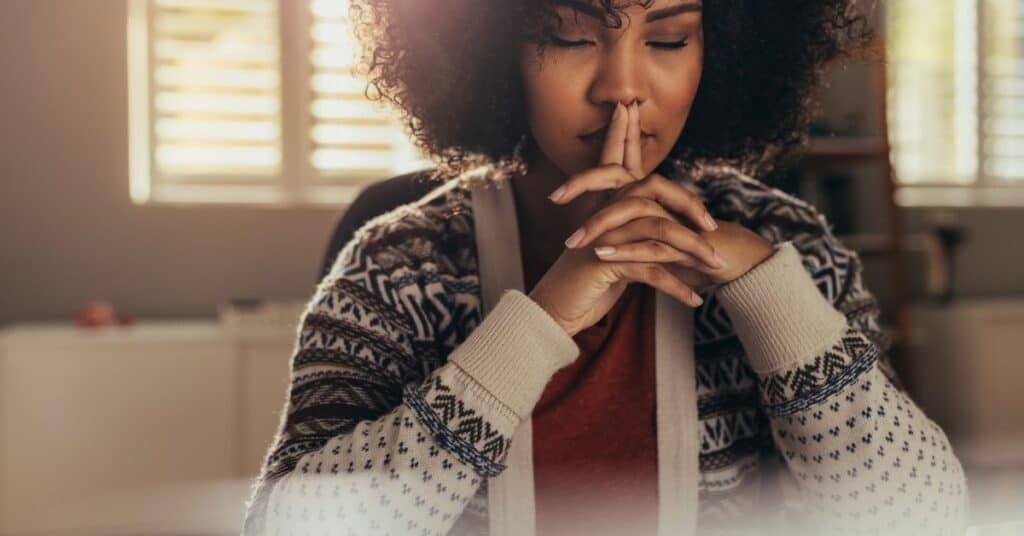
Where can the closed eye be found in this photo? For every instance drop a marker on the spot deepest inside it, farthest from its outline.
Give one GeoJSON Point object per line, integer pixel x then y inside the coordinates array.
{"type": "Point", "coordinates": [579, 43]}
{"type": "Point", "coordinates": [570, 44]}
{"type": "Point", "coordinates": [669, 45]}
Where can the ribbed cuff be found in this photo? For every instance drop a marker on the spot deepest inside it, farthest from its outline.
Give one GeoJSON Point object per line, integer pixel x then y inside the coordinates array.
{"type": "Point", "coordinates": [514, 352]}
{"type": "Point", "coordinates": [778, 313]}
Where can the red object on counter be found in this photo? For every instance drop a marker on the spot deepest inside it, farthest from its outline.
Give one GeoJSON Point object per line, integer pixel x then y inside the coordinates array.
{"type": "Point", "coordinates": [95, 314]}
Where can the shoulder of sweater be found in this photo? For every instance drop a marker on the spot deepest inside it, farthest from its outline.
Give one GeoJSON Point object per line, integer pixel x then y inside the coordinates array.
{"type": "Point", "coordinates": [732, 195]}
{"type": "Point", "coordinates": [779, 217]}
{"type": "Point", "coordinates": [434, 230]}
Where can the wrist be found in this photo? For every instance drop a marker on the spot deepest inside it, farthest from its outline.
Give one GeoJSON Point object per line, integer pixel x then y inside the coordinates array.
{"type": "Point", "coordinates": [538, 297]}
{"type": "Point", "coordinates": [757, 253]}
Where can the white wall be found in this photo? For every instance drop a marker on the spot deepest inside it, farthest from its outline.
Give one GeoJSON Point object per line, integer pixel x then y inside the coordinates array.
{"type": "Point", "coordinates": [70, 233]}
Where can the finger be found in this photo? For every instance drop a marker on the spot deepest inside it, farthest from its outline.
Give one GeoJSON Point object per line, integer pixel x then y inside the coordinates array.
{"type": "Point", "coordinates": [657, 276]}
{"type": "Point", "coordinates": [633, 154]}
{"type": "Point", "coordinates": [612, 216]}
{"type": "Point", "coordinates": [666, 239]}
{"type": "Point", "coordinates": [648, 251]}
{"type": "Point", "coordinates": [663, 226]}
{"type": "Point", "coordinates": [604, 177]}
{"type": "Point", "coordinates": [615, 138]}
{"type": "Point", "coordinates": [674, 197]}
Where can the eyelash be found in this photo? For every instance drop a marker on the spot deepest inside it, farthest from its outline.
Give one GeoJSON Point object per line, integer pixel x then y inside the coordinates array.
{"type": "Point", "coordinates": [676, 45]}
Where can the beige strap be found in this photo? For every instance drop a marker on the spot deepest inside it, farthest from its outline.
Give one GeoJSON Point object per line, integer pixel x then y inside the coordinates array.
{"type": "Point", "coordinates": [510, 495]}
{"type": "Point", "coordinates": [678, 428]}
{"type": "Point", "coordinates": [511, 501]}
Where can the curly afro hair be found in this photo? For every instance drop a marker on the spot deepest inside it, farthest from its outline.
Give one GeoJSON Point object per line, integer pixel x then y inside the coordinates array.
{"type": "Point", "coordinates": [451, 68]}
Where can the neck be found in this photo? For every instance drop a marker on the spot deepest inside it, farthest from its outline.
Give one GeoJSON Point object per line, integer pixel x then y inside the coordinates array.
{"type": "Point", "coordinates": [544, 225]}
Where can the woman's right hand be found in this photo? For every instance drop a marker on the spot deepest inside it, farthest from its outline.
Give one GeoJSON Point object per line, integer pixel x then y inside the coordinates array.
{"type": "Point", "coordinates": [580, 288]}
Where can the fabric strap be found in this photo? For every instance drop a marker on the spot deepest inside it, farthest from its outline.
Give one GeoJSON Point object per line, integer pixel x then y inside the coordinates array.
{"type": "Point", "coordinates": [510, 495]}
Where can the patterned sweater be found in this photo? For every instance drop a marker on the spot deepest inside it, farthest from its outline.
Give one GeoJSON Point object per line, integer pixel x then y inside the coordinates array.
{"type": "Point", "coordinates": [403, 397]}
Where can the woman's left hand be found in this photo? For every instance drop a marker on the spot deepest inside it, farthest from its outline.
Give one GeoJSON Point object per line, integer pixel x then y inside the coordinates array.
{"type": "Point", "coordinates": [740, 248]}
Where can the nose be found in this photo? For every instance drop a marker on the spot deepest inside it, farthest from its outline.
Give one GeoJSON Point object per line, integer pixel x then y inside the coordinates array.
{"type": "Point", "coordinates": [620, 76]}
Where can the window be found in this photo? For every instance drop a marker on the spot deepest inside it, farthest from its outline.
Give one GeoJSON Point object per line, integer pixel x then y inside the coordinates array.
{"type": "Point", "coordinates": [956, 101]}
{"type": "Point", "coordinates": [253, 102]}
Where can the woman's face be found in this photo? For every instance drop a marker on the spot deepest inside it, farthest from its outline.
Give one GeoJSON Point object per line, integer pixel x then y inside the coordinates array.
{"type": "Point", "coordinates": [655, 58]}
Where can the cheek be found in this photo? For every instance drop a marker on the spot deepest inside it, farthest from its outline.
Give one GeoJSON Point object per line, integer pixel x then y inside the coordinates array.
{"type": "Point", "coordinates": [552, 104]}
{"type": "Point", "coordinates": [550, 98]}
{"type": "Point", "coordinates": [675, 96]}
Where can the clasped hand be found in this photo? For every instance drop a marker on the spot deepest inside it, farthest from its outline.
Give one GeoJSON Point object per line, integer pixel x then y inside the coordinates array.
{"type": "Point", "coordinates": [653, 245]}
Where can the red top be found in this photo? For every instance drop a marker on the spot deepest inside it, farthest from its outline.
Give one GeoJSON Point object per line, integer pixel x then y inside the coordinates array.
{"type": "Point", "coordinates": [594, 429]}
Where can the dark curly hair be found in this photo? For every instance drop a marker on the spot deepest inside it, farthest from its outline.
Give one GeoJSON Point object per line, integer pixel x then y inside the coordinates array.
{"type": "Point", "coordinates": [451, 68]}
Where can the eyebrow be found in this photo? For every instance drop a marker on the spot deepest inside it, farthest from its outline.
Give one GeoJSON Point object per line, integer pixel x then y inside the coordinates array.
{"type": "Point", "coordinates": [672, 11]}
{"type": "Point", "coordinates": [658, 14]}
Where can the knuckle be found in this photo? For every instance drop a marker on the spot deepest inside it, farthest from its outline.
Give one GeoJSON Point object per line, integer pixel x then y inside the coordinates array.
{"type": "Point", "coordinates": [708, 247]}
{"type": "Point", "coordinates": [631, 202]}
{"type": "Point", "coordinates": [698, 242]}
{"type": "Point", "coordinates": [650, 203]}
{"type": "Point", "coordinates": [654, 273]}
{"type": "Point", "coordinates": [613, 167]}
{"type": "Point", "coordinates": [662, 228]}
{"type": "Point", "coordinates": [643, 204]}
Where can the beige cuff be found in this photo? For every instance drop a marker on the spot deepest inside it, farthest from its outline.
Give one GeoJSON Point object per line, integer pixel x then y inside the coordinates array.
{"type": "Point", "coordinates": [778, 313]}
{"type": "Point", "coordinates": [514, 352]}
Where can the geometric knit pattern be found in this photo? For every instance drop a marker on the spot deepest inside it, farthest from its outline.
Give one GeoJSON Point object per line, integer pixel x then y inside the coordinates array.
{"type": "Point", "coordinates": [380, 435]}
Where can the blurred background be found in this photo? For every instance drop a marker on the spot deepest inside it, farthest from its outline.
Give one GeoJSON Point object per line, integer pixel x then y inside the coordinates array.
{"type": "Point", "coordinates": [174, 173]}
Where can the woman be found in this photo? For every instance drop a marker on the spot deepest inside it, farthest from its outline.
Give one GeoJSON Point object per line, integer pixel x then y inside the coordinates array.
{"type": "Point", "coordinates": [409, 383]}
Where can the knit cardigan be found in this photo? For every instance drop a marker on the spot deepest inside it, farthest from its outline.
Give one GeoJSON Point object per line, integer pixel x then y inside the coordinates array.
{"type": "Point", "coordinates": [405, 395]}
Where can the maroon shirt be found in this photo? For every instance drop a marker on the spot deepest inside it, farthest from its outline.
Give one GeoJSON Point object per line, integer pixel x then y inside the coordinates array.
{"type": "Point", "coordinates": [594, 429]}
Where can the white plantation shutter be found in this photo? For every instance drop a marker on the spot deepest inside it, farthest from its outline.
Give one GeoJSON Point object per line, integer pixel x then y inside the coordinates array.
{"type": "Point", "coordinates": [956, 100]}
{"type": "Point", "coordinates": [254, 102]}
{"type": "Point", "coordinates": [351, 139]}
{"type": "Point", "coordinates": [1003, 89]}
{"type": "Point", "coordinates": [932, 94]}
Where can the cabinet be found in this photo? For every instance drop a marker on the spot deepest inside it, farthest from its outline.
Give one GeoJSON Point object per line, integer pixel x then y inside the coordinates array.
{"type": "Point", "coordinates": [159, 427]}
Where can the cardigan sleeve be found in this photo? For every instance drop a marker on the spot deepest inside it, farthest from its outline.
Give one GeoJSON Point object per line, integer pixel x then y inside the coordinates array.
{"type": "Point", "coordinates": [377, 439]}
{"type": "Point", "coordinates": [863, 455]}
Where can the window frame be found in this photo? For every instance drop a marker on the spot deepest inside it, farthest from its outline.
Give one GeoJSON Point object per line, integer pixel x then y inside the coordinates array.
{"type": "Point", "coordinates": [984, 190]}
{"type": "Point", "coordinates": [298, 184]}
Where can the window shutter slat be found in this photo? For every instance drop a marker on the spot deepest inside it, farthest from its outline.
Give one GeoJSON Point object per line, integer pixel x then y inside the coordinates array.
{"type": "Point", "coordinates": [352, 140]}
{"type": "Point", "coordinates": [253, 102]}
{"type": "Point", "coordinates": [1003, 79]}
{"type": "Point", "coordinates": [216, 91]}
{"type": "Point", "coordinates": [932, 91]}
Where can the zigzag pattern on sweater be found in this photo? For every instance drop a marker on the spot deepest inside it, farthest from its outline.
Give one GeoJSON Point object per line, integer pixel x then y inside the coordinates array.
{"type": "Point", "coordinates": [404, 293]}
{"type": "Point", "coordinates": [800, 387]}
{"type": "Point", "coordinates": [721, 366]}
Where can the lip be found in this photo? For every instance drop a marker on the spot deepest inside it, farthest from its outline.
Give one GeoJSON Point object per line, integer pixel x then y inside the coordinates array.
{"type": "Point", "coordinates": [598, 138]}
{"type": "Point", "coordinates": [600, 134]}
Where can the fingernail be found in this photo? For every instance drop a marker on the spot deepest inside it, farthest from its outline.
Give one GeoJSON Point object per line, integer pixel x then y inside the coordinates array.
{"type": "Point", "coordinates": [710, 221]}
{"type": "Point", "coordinates": [718, 260]}
{"type": "Point", "coordinates": [697, 299]}
{"type": "Point", "coordinates": [575, 238]}
{"type": "Point", "coordinates": [606, 250]}
{"type": "Point", "coordinates": [557, 194]}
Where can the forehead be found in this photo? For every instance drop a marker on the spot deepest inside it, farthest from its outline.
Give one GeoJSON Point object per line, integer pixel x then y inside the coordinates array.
{"type": "Point", "coordinates": [652, 10]}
